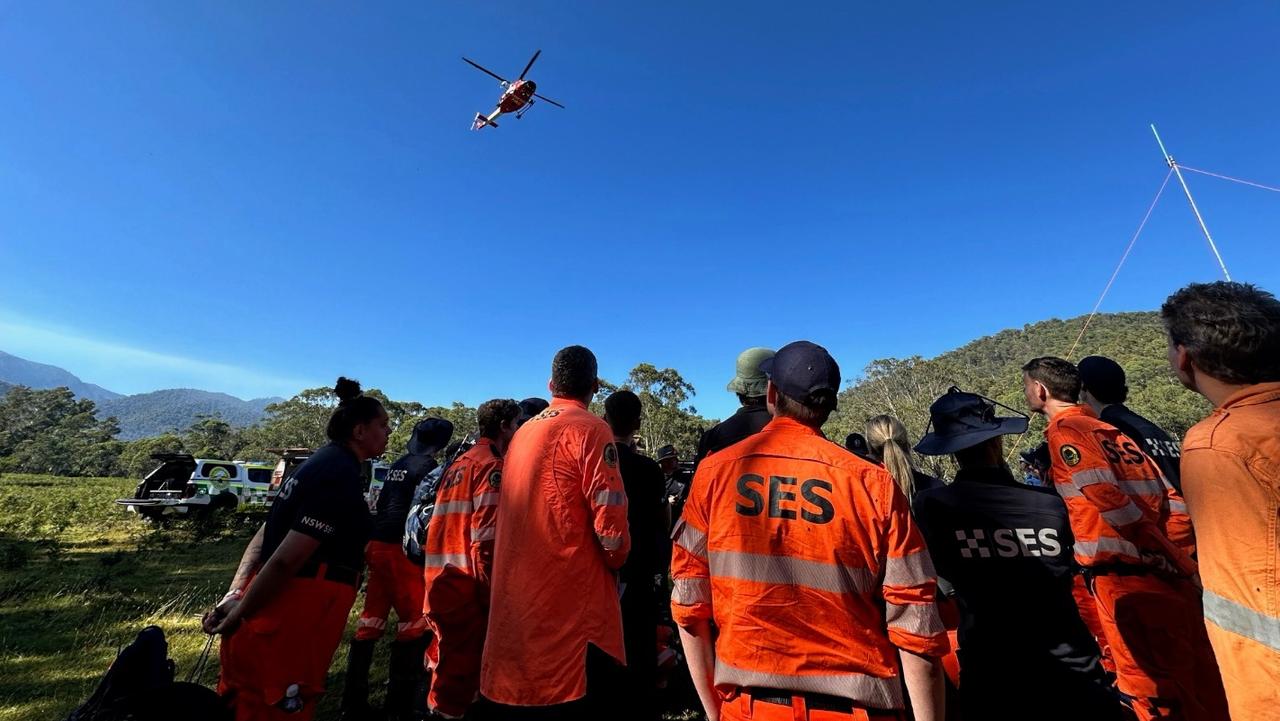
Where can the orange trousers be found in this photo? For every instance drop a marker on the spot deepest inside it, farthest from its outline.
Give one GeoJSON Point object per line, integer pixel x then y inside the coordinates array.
{"type": "Point", "coordinates": [744, 708]}
{"type": "Point", "coordinates": [289, 642]}
{"type": "Point", "coordinates": [454, 658]}
{"type": "Point", "coordinates": [1155, 631]}
{"type": "Point", "coordinates": [394, 582]}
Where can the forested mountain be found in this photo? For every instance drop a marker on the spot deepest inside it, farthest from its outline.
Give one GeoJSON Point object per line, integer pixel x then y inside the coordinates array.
{"type": "Point", "coordinates": [150, 414]}
{"type": "Point", "coordinates": [904, 387]}
{"type": "Point", "coordinates": [15, 371]}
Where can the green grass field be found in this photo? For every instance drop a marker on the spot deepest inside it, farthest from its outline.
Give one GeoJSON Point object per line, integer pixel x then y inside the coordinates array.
{"type": "Point", "coordinates": [80, 576]}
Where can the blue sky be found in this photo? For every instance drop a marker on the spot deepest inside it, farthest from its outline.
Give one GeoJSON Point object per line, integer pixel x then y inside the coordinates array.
{"type": "Point", "coordinates": [257, 197]}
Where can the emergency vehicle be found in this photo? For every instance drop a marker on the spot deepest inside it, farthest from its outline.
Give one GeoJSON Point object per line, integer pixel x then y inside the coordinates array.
{"type": "Point", "coordinates": [183, 484]}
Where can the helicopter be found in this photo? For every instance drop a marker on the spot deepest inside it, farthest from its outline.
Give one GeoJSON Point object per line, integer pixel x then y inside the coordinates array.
{"type": "Point", "coordinates": [517, 96]}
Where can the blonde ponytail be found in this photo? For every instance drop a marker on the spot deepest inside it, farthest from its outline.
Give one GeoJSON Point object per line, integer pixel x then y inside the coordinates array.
{"type": "Point", "coordinates": [887, 441]}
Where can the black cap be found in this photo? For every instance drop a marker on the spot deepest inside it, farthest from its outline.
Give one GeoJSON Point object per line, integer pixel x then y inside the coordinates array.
{"type": "Point", "coordinates": [962, 420]}
{"type": "Point", "coordinates": [856, 443]}
{"type": "Point", "coordinates": [1104, 378]}
{"type": "Point", "coordinates": [429, 436]}
{"type": "Point", "coordinates": [805, 372]}
{"type": "Point", "coordinates": [667, 451]}
{"type": "Point", "coordinates": [530, 407]}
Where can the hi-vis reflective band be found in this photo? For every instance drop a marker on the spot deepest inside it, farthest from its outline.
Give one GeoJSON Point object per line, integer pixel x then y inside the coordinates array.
{"type": "Point", "coordinates": [1068, 490]}
{"type": "Point", "coordinates": [688, 591]}
{"type": "Point", "coordinates": [1242, 620]}
{"type": "Point", "coordinates": [1143, 488]}
{"type": "Point", "coordinates": [1177, 506]}
{"type": "Point", "coordinates": [790, 571]}
{"type": "Point", "coordinates": [914, 618]}
{"type": "Point", "coordinates": [859, 687]}
{"type": "Point", "coordinates": [913, 569]}
{"type": "Point", "coordinates": [1093, 476]}
{"type": "Point", "coordinates": [486, 499]}
{"type": "Point", "coordinates": [610, 542]}
{"type": "Point", "coordinates": [690, 539]}
{"type": "Point", "coordinates": [610, 498]}
{"type": "Point", "coordinates": [444, 509]}
{"type": "Point", "coordinates": [440, 560]}
{"type": "Point", "coordinates": [1123, 516]}
{"type": "Point", "coordinates": [1090, 549]}
{"type": "Point", "coordinates": [484, 534]}
{"type": "Point", "coordinates": [378, 623]}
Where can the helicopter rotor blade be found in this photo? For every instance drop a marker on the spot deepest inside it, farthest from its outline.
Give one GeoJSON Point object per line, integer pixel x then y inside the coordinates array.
{"type": "Point", "coordinates": [531, 60]}
{"type": "Point", "coordinates": [483, 69]}
{"type": "Point", "coordinates": [549, 100]}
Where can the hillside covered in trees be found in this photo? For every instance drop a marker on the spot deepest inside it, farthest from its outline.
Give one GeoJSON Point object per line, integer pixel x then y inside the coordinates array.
{"type": "Point", "coordinates": [53, 431]}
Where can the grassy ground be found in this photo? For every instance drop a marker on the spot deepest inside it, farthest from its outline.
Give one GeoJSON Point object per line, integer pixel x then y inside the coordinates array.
{"type": "Point", "coordinates": [80, 576]}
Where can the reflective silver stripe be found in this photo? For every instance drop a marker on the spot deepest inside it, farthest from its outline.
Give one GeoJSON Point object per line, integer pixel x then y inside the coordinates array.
{"type": "Point", "coordinates": [363, 622]}
{"type": "Point", "coordinates": [484, 534]}
{"type": "Point", "coordinates": [1124, 515]}
{"type": "Point", "coordinates": [485, 499]}
{"type": "Point", "coordinates": [860, 687]}
{"type": "Point", "coordinates": [610, 498]}
{"type": "Point", "coordinates": [920, 619]}
{"type": "Point", "coordinates": [1142, 488]}
{"type": "Point", "coordinates": [690, 539]}
{"type": "Point", "coordinates": [913, 569]}
{"type": "Point", "coordinates": [610, 543]}
{"type": "Point", "coordinates": [688, 591]}
{"type": "Point", "coordinates": [444, 509]}
{"type": "Point", "coordinates": [1092, 477]}
{"type": "Point", "coordinates": [1067, 490]}
{"type": "Point", "coordinates": [1089, 549]}
{"type": "Point", "coordinates": [1177, 506]}
{"type": "Point", "coordinates": [440, 560]}
{"type": "Point", "coordinates": [1242, 620]}
{"type": "Point", "coordinates": [789, 571]}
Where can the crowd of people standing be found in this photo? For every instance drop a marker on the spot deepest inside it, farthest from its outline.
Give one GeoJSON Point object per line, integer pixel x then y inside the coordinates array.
{"type": "Point", "coordinates": [1120, 575]}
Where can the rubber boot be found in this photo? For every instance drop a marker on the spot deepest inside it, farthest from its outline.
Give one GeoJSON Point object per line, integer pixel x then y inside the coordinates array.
{"type": "Point", "coordinates": [355, 692]}
{"type": "Point", "coordinates": [405, 682]}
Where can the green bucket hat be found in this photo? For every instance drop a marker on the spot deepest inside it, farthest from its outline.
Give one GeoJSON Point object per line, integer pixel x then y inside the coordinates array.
{"type": "Point", "coordinates": [749, 379]}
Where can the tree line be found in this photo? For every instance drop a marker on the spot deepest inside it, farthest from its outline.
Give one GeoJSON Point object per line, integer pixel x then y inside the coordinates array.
{"type": "Point", "coordinates": [51, 431]}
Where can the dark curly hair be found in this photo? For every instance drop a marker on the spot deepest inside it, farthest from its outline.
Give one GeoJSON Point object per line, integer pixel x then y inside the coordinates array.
{"type": "Point", "coordinates": [354, 408]}
{"type": "Point", "coordinates": [573, 372]}
{"type": "Point", "coordinates": [1056, 374]}
{"type": "Point", "coordinates": [492, 415]}
{"type": "Point", "coordinates": [1231, 330]}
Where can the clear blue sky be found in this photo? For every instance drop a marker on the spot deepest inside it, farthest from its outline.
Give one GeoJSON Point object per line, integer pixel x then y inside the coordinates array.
{"type": "Point", "coordinates": [256, 197]}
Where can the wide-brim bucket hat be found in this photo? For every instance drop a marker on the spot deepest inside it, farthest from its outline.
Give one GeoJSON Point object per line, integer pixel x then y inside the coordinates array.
{"type": "Point", "coordinates": [960, 420]}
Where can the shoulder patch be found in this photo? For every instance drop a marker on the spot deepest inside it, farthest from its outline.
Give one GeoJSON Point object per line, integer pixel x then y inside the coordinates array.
{"type": "Point", "coordinates": [1070, 455]}
{"type": "Point", "coordinates": [495, 479]}
{"type": "Point", "coordinates": [610, 455]}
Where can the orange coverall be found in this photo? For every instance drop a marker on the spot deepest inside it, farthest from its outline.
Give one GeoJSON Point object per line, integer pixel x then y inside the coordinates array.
{"type": "Point", "coordinates": [808, 562]}
{"type": "Point", "coordinates": [394, 582]}
{"type": "Point", "coordinates": [459, 556]}
{"type": "Point", "coordinates": [1128, 520]}
{"type": "Point", "coordinates": [1231, 475]}
{"type": "Point", "coordinates": [561, 536]}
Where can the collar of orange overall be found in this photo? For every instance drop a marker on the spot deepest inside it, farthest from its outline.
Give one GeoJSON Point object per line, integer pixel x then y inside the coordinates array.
{"type": "Point", "coordinates": [1079, 409]}
{"type": "Point", "coordinates": [783, 424]}
{"type": "Point", "coordinates": [558, 402]}
{"type": "Point", "coordinates": [1253, 395]}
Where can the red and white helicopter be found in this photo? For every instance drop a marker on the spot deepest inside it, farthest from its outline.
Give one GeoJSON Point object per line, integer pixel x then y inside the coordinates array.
{"type": "Point", "coordinates": [517, 97]}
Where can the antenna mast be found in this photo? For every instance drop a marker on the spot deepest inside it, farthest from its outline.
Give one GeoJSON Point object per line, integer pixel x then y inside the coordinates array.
{"type": "Point", "coordinates": [1173, 164]}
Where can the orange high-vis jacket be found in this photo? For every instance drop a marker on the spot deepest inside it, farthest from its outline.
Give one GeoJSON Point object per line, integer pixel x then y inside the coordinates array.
{"type": "Point", "coordinates": [808, 562]}
{"type": "Point", "coordinates": [1119, 503]}
{"type": "Point", "coordinates": [561, 535]}
{"type": "Point", "coordinates": [459, 548]}
{"type": "Point", "coordinates": [1231, 475]}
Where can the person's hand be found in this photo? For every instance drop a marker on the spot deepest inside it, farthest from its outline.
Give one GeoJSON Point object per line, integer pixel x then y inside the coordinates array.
{"type": "Point", "coordinates": [215, 621]}
{"type": "Point", "coordinates": [227, 623]}
{"type": "Point", "coordinates": [1160, 564]}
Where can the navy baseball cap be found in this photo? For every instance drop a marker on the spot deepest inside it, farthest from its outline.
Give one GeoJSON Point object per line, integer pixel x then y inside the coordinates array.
{"type": "Point", "coordinates": [805, 372]}
{"type": "Point", "coordinates": [1104, 378]}
{"type": "Point", "coordinates": [429, 436]}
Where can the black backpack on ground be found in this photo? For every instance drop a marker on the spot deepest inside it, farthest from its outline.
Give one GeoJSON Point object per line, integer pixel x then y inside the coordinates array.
{"type": "Point", "coordinates": [139, 686]}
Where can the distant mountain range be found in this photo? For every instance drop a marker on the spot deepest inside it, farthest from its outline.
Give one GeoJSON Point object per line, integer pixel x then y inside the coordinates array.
{"type": "Point", "coordinates": [141, 415]}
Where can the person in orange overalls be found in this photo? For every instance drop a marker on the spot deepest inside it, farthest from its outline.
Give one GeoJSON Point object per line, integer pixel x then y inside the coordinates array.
{"type": "Point", "coordinates": [1134, 541]}
{"type": "Point", "coordinates": [808, 563]}
{"type": "Point", "coordinates": [1224, 343]}
{"type": "Point", "coordinates": [394, 582]}
{"type": "Point", "coordinates": [287, 608]}
{"type": "Point", "coordinates": [459, 560]}
{"type": "Point", "coordinates": [555, 640]}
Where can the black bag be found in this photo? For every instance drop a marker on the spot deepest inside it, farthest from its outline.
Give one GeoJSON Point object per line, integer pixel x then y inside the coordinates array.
{"type": "Point", "coordinates": [424, 504]}
{"type": "Point", "coordinates": [139, 686]}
